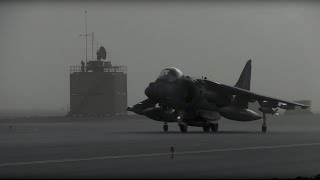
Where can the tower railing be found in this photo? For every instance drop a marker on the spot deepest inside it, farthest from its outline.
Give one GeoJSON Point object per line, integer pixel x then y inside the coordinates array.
{"type": "Point", "coordinates": [123, 69]}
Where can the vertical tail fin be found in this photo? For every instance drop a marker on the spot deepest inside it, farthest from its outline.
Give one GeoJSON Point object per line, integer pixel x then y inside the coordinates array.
{"type": "Point", "coordinates": [245, 77]}
{"type": "Point", "coordinates": [243, 83]}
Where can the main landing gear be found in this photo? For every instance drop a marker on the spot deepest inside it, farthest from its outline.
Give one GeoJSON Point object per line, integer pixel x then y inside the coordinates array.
{"type": "Point", "coordinates": [264, 124]}
{"type": "Point", "coordinates": [206, 128]}
{"type": "Point", "coordinates": [183, 128]}
{"type": "Point", "coordinates": [165, 127]}
{"type": "Point", "coordinates": [213, 127]}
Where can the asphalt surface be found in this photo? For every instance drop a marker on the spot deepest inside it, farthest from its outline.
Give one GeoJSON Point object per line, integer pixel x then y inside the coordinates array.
{"type": "Point", "coordinates": [136, 147]}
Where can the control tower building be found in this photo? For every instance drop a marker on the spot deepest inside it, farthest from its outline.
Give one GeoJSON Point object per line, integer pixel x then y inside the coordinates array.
{"type": "Point", "coordinates": [98, 88]}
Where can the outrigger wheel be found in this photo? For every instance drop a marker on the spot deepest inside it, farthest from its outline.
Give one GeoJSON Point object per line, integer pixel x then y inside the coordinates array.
{"type": "Point", "coordinates": [183, 128]}
{"type": "Point", "coordinates": [264, 124]}
{"type": "Point", "coordinates": [264, 128]}
{"type": "Point", "coordinates": [165, 127]}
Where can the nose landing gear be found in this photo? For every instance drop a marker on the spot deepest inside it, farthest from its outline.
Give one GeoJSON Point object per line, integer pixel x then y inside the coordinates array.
{"type": "Point", "coordinates": [165, 127]}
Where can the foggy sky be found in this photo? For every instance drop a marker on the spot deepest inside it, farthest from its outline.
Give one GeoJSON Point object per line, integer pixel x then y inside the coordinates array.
{"type": "Point", "coordinates": [39, 41]}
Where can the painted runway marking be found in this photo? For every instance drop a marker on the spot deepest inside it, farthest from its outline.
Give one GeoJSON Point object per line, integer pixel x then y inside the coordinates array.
{"type": "Point", "coordinates": [155, 154]}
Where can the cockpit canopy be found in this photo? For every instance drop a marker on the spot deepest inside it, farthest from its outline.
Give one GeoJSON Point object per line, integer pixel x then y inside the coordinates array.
{"type": "Point", "coordinates": [170, 74]}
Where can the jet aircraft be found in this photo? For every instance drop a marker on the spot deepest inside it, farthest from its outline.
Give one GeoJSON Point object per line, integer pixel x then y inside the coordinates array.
{"type": "Point", "coordinates": [174, 97]}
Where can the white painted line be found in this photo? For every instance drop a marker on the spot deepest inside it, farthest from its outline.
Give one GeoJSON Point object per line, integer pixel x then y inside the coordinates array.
{"type": "Point", "coordinates": [155, 154]}
{"type": "Point", "coordinates": [249, 148]}
{"type": "Point", "coordinates": [82, 159]}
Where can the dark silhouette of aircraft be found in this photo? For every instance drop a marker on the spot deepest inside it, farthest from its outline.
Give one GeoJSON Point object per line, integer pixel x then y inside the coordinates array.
{"type": "Point", "coordinates": [174, 97]}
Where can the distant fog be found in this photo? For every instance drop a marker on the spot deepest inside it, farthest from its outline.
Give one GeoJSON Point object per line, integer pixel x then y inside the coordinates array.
{"type": "Point", "coordinates": [40, 40]}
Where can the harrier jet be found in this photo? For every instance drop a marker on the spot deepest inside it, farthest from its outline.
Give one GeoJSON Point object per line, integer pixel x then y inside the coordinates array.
{"type": "Point", "coordinates": [175, 97]}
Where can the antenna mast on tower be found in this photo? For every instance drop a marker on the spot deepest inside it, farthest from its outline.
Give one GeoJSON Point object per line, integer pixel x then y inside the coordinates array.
{"type": "Point", "coordinates": [86, 35]}
{"type": "Point", "coordinates": [92, 38]}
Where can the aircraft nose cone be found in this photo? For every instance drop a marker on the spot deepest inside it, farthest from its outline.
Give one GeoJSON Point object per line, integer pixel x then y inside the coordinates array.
{"type": "Point", "coordinates": [149, 91]}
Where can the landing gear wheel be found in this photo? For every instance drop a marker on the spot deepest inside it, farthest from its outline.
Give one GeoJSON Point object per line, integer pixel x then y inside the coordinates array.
{"type": "Point", "coordinates": [264, 128]}
{"type": "Point", "coordinates": [206, 128]}
{"type": "Point", "coordinates": [165, 127]}
{"type": "Point", "coordinates": [183, 128]}
{"type": "Point", "coordinates": [214, 127]}
{"type": "Point", "coordinates": [264, 124]}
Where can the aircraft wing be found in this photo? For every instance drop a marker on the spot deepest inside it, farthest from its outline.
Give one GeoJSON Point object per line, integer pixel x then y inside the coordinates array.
{"type": "Point", "coordinates": [252, 97]}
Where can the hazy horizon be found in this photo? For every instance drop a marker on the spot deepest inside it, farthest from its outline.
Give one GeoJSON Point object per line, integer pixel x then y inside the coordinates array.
{"type": "Point", "coordinates": [40, 40]}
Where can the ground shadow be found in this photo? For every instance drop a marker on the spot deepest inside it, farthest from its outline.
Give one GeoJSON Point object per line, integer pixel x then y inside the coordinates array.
{"type": "Point", "coordinates": [201, 132]}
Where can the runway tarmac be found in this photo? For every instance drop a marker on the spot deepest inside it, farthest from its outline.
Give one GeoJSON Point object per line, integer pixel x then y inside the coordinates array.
{"type": "Point", "coordinates": [136, 147]}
